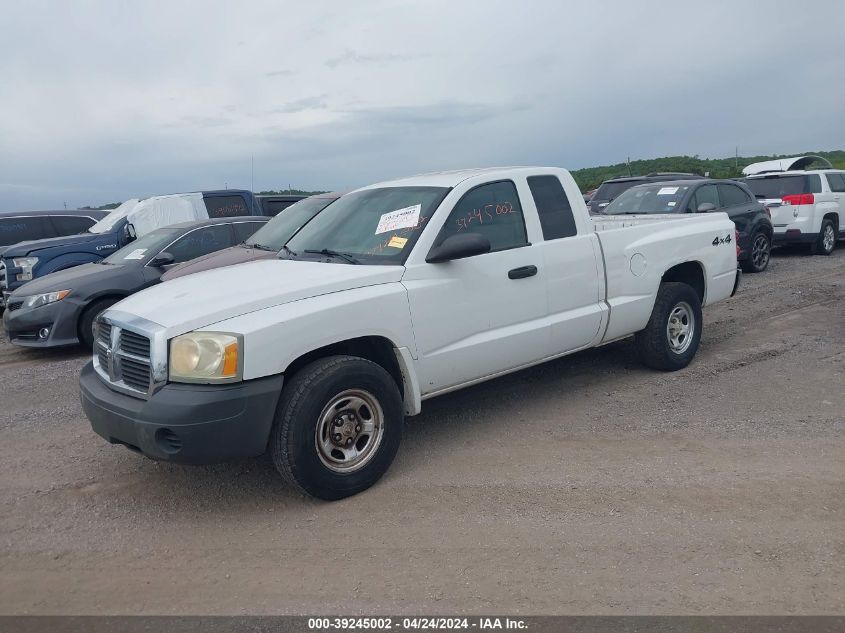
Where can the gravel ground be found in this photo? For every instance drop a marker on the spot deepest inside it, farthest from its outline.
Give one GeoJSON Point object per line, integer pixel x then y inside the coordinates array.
{"type": "Point", "coordinates": [588, 485]}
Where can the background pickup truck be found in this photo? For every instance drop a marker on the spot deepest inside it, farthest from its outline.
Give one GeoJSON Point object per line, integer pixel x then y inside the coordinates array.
{"type": "Point", "coordinates": [393, 294]}
{"type": "Point", "coordinates": [29, 260]}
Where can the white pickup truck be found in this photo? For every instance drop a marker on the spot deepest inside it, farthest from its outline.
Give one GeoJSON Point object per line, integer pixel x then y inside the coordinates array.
{"type": "Point", "coordinates": [396, 293]}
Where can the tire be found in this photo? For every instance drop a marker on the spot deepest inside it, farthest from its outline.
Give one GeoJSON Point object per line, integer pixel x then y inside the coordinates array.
{"type": "Point", "coordinates": [826, 241]}
{"type": "Point", "coordinates": [677, 305]}
{"type": "Point", "coordinates": [86, 321]}
{"type": "Point", "coordinates": [758, 258]}
{"type": "Point", "coordinates": [353, 392]}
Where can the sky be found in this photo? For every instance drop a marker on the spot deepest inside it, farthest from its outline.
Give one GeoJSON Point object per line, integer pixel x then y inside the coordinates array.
{"type": "Point", "coordinates": [101, 101]}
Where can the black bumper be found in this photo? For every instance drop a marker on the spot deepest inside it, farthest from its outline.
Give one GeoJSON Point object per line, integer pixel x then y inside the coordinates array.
{"type": "Point", "coordinates": [736, 281]}
{"type": "Point", "coordinates": [190, 424]}
{"type": "Point", "coordinates": [794, 236]}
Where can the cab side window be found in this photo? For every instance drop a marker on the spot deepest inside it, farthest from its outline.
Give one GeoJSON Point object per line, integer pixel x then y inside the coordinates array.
{"type": "Point", "coordinates": [705, 193]}
{"type": "Point", "coordinates": [553, 207]}
{"type": "Point", "coordinates": [201, 242]}
{"type": "Point", "coordinates": [71, 224]}
{"type": "Point", "coordinates": [20, 229]}
{"type": "Point", "coordinates": [731, 196]}
{"type": "Point", "coordinates": [491, 210]}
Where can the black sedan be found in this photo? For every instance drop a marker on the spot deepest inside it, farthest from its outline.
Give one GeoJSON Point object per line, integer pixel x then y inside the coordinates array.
{"type": "Point", "coordinates": [60, 308]}
{"type": "Point", "coordinates": [751, 218]}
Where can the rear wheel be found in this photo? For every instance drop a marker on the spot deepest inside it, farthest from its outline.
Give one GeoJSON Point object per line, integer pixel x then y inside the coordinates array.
{"type": "Point", "coordinates": [826, 241]}
{"type": "Point", "coordinates": [758, 258]}
{"type": "Point", "coordinates": [89, 317]}
{"type": "Point", "coordinates": [670, 340]}
{"type": "Point", "coordinates": [338, 427]}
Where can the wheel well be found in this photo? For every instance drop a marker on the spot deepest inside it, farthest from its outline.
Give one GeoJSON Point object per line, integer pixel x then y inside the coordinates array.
{"type": "Point", "coordinates": [115, 296]}
{"type": "Point", "coordinates": [833, 217]}
{"type": "Point", "coordinates": [689, 273]}
{"type": "Point", "coordinates": [374, 348]}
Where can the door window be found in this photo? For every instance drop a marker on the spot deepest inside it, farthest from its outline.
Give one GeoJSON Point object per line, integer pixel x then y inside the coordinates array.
{"type": "Point", "coordinates": [226, 206]}
{"type": "Point", "coordinates": [553, 207]}
{"type": "Point", "coordinates": [200, 242]}
{"type": "Point", "coordinates": [731, 196]}
{"type": "Point", "coordinates": [491, 210]}
{"type": "Point", "coordinates": [706, 193]}
{"type": "Point", "coordinates": [836, 182]}
{"type": "Point", "coordinates": [14, 230]}
{"type": "Point", "coordinates": [71, 224]}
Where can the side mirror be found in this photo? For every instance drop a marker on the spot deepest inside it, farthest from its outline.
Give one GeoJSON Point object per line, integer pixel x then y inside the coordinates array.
{"type": "Point", "coordinates": [162, 259]}
{"type": "Point", "coordinates": [458, 247]}
{"type": "Point", "coordinates": [129, 233]}
{"type": "Point", "coordinates": [706, 207]}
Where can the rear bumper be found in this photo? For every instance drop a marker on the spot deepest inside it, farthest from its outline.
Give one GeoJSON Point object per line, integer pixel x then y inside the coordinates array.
{"type": "Point", "coordinates": [793, 236]}
{"type": "Point", "coordinates": [736, 282]}
{"type": "Point", "coordinates": [191, 424]}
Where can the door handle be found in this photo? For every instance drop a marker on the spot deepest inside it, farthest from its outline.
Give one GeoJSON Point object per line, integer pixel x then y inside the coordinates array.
{"type": "Point", "coordinates": [522, 272]}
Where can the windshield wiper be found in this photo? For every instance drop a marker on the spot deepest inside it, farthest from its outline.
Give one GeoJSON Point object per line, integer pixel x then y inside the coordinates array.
{"type": "Point", "coordinates": [262, 247]}
{"type": "Point", "coordinates": [346, 256]}
{"type": "Point", "coordinates": [288, 252]}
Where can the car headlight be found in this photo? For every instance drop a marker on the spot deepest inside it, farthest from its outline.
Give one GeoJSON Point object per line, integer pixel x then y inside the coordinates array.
{"type": "Point", "coordinates": [26, 264]}
{"type": "Point", "coordinates": [206, 357]}
{"type": "Point", "coordinates": [36, 301]}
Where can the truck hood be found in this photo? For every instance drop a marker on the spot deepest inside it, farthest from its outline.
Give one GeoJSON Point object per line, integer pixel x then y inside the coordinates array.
{"type": "Point", "coordinates": [26, 248]}
{"type": "Point", "coordinates": [226, 257]}
{"type": "Point", "coordinates": [204, 298]}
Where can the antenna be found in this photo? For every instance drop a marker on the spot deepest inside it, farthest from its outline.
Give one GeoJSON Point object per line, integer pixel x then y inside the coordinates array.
{"type": "Point", "coordinates": [252, 172]}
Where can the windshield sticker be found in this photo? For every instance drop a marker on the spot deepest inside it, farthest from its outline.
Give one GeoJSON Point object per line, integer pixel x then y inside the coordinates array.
{"type": "Point", "coordinates": [671, 204]}
{"type": "Point", "coordinates": [138, 253]}
{"type": "Point", "coordinates": [667, 191]}
{"type": "Point", "coordinates": [397, 242]}
{"type": "Point", "coordinates": [400, 219]}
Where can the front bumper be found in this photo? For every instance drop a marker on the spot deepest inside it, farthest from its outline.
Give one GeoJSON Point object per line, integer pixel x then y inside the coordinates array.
{"type": "Point", "coordinates": [190, 424]}
{"type": "Point", "coordinates": [27, 327]}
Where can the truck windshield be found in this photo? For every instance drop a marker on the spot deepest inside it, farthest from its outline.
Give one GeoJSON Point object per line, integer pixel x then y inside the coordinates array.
{"type": "Point", "coordinates": [281, 228]}
{"type": "Point", "coordinates": [108, 223]}
{"type": "Point", "coordinates": [373, 226]}
{"type": "Point", "coordinates": [659, 198]}
{"type": "Point", "coordinates": [143, 247]}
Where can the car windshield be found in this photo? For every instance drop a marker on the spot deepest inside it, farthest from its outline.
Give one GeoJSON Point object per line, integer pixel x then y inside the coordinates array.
{"type": "Point", "coordinates": [779, 186]}
{"type": "Point", "coordinates": [284, 226]}
{"type": "Point", "coordinates": [609, 190]}
{"type": "Point", "coordinates": [373, 226]}
{"type": "Point", "coordinates": [108, 223]}
{"type": "Point", "coordinates": [143, 247]}
{"type": "Point", "coordinates": [659, 198]}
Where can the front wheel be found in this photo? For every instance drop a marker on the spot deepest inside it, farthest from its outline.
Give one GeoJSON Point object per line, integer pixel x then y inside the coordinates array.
{"type": "Point", "coordinates": [758, 259]}
{"type": "Point", "coordinates": [670, 340]}
{"type": "Point", "coordinates": [826, 241]}
{"type": "Point", "coordinates": [338, 427]}
{"type": "Point", "coordinates": [89, 317]}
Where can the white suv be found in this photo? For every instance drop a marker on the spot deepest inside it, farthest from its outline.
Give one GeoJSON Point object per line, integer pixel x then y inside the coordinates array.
{"type": "Point", "coordinates": [807, 207]}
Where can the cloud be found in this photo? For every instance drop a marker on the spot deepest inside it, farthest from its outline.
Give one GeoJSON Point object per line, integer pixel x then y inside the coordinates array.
{"type": "Point", "coordinates": [156, 98]}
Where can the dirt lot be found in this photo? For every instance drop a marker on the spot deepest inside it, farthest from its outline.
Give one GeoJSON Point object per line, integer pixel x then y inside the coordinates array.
{"type": "Point", "coordinates": [588, 485]}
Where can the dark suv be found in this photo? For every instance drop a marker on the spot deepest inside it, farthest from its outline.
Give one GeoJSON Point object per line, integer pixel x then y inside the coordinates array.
{"type": "Point", "coordinates": [705, 196]}
{"type": "Point", "coordinates": [610, 189]}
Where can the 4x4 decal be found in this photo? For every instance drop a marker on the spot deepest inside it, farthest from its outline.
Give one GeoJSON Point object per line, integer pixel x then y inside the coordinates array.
{"type": "Point", "coordinates": [722, 240]}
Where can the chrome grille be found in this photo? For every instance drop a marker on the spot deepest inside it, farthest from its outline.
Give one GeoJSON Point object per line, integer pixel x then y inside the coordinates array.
{"type": "Point", "coordinates": [134, 344]}
{"type": "Point", "coordinates": [123, 358]}
{"type": "Point", "coordinates": [3, 283]}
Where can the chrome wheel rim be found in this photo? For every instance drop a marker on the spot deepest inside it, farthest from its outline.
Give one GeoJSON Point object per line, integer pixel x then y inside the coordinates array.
{"type": "Point", "coordinates": [760, 252]}
{"type": "Point", "coordinates": [680, 327]}
{"type": "Point", "coordinates": [349, 431]}
{"type": "Point", "coordinates": [828, 238]}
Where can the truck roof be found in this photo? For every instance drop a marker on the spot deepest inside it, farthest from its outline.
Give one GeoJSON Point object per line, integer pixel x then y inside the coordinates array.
{"type": "Point", "coordinates": [449, 178]}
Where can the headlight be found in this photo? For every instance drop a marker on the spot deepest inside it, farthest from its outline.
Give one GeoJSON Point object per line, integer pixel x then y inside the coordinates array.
{"type": "Point", "coordinates": [26, 264]}
{"type": "Point", "coordinates": [36, 301]}
{"type": "Point", "coordinates": [206, 357]}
